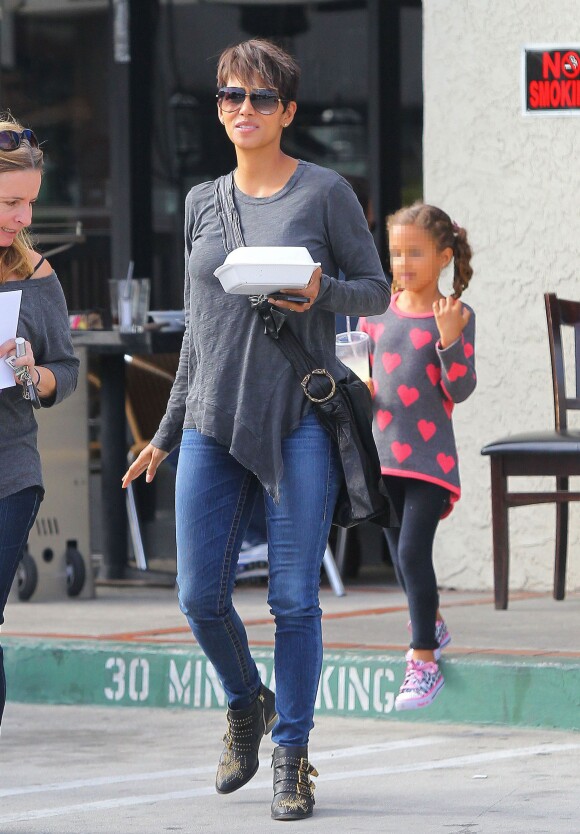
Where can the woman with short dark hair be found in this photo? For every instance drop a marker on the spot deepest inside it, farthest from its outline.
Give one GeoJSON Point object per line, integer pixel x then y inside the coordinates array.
{"type": "Point", "coordinates": [245, 426]}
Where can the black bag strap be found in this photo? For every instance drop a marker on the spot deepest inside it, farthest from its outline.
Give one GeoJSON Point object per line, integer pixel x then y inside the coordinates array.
{"type": "Point", "coordinates": [227, 213]}
{"type": "Point", "coordinates": [333, 407]}
{"type": "Point", "coordinates": [318, 384]}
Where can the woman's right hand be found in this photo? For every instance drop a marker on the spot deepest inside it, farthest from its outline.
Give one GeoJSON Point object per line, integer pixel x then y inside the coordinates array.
{"type": "Point", "coordinates": [148, 461]}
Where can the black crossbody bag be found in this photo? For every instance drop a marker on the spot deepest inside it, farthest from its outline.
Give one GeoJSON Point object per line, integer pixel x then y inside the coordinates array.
{"type": "Point", "coordinates": [344, 406]}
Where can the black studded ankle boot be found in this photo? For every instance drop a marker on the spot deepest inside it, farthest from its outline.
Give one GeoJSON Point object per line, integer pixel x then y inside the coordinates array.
{"type": "Point", "coordinates": [246, 727]}
{"type": "Point", "coordinates": [293, 789]}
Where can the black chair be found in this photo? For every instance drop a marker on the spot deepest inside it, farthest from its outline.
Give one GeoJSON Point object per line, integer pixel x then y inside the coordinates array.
{"type": "Point", "coordinates": [547, 453]}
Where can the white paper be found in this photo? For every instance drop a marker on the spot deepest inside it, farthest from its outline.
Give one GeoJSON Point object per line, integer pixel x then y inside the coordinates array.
{"type": "Point", "coordinates": [9, 312]}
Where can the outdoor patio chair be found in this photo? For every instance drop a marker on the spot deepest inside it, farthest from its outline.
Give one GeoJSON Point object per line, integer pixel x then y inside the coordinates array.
{"type": "Point", "coordinates": [553, 453]}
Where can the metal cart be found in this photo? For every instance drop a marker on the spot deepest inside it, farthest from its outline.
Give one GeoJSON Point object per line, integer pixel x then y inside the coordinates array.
{"type": "Point", "coordinates": [57, 561]}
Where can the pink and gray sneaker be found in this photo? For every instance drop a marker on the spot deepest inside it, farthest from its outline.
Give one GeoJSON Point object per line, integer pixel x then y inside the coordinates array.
{"type": "Point", "coordinates": [422, 683]}
{"type": "Point", "coordinates": [441, 635]}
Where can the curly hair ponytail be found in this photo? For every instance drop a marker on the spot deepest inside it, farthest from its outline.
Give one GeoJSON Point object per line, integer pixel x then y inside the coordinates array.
{"type": "Point", "coordinates": [462, 270]}
{"type": "Point", "coordinates": [444, 232]}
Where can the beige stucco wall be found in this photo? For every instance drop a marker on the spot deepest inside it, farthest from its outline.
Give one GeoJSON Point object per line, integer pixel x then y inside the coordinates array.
{"type": "Point", "coordinates": [513, 181]}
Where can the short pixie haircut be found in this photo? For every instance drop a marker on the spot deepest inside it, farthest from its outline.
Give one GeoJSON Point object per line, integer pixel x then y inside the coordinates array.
{"type": "Point", "coordinates": [260, 61]}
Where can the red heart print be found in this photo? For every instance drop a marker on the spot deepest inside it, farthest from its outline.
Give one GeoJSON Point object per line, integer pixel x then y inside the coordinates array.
{"type": "Point", "coordinates": [456, 371]}
{"type": "Point", "coordinates": [426, 429]}
{"type": "Point", "coordinates": [408, 395]}
{"type": "Point", "coordinates": [391, 361]}
{"type": "Point", "coordinates": [468, 350]}
{"type": "Point", "coordinates": [434, 374]}
{"type": "Point", "coordinates": [375, 331]}
{"type": "Point", "coordinates": [401, 450]}
{"type": "Point", "coordinates": [420, 337]}
{"type": "Point", "coordinates": [448, 406]}
{"type": "Point", "coordinates": [383, 419]}
{"type": "Point", "coordinates": [446, 462]}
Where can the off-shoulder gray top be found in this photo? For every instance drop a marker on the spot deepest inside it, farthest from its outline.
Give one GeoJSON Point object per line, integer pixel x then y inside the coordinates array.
{"type": "Point", "coordinates": [44, 323]}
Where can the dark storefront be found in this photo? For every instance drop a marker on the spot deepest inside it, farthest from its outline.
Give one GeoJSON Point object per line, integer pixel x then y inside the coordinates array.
{"type": "Point", "coordinates": [123, 95]}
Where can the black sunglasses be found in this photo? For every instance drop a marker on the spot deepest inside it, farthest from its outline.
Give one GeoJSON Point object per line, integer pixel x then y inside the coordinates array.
{"type": "Point", "coordinates": [10, 140]}
{"type": "Point", "coordinates": [265, 102]}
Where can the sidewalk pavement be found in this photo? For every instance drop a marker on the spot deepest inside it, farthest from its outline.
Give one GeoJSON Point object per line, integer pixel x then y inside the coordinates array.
{"type": "Point", "coordinates": [96, 770]}
{"type": "Point", "coordinates": [131, 646]}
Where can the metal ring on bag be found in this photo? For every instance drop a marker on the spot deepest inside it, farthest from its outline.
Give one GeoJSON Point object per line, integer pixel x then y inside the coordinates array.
{"type": "Point", "coordinates": [320, 372]}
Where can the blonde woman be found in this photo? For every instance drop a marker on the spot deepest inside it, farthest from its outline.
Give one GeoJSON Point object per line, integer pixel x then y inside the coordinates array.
{"type": "Point", "coordinates": [43, 324]}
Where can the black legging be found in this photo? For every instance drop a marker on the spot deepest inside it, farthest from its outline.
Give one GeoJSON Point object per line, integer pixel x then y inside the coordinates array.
{"type": "Point", "coordinates": [419, 506]}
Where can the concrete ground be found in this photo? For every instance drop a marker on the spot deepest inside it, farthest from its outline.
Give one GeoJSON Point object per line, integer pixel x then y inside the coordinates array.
{"type": "Point", "coordinates": [131, 646]}
{"type": "Point", "coordinates": [497, 753]}
{"type": "Point", "coordinates": [90, 770]}
{"type": "Point", "coordinates": [370, 616]}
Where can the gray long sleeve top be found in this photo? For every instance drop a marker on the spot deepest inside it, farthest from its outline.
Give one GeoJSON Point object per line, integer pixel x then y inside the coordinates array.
{"type": "Point", "coordinates": [233, 383]}
{"type": "Point", "coordinates": [44, 323]}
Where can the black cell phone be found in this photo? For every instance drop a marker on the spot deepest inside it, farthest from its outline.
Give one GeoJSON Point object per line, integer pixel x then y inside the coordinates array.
{"type": "Point", "coordinates": [284, 296]}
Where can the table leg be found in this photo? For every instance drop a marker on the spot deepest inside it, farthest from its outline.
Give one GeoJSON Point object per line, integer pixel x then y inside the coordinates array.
{"type": "Point", "coordinates": [113, 465]}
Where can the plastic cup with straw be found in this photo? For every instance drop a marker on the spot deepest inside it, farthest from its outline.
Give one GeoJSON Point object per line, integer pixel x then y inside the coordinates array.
{"type": "Point", "coordinates": [352, 348]}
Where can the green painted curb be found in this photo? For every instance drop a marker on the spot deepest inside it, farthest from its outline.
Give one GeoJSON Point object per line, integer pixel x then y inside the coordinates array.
{"type": "Point", "coordinates": [478, 689]}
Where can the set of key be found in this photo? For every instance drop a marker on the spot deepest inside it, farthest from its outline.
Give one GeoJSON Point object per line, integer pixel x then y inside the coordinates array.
{"type": "Point", "coordinates": [29, 391]}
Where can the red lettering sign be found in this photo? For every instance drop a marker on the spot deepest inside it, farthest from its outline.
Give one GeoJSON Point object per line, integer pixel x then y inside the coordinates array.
{"type": "Point", "coordinates": [551, 65]}
{"type": "Point", "coordinates": [552, 80]}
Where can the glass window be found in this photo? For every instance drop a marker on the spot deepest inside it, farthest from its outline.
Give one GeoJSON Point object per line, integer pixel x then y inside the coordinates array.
{"type": "Point", "coordinates": [54, 79]}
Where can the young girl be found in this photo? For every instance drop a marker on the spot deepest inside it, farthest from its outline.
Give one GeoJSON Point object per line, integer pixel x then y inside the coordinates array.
{"type": "Point", "coordinates": [423, 363]}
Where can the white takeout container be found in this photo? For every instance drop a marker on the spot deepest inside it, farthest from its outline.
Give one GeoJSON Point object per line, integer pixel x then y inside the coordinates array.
{"type": "Point", "coordinates": [256, 270]}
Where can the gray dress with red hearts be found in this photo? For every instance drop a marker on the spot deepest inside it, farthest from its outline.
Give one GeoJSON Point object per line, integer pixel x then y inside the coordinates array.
{"type": "Point", "coordinates": [417, 383]}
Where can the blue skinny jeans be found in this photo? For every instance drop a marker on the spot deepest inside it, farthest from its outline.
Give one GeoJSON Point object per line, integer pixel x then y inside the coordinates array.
{"type": "Point", "coordinates": [17, 514]}
{"type": "Point", "coordinates": [215, 498]}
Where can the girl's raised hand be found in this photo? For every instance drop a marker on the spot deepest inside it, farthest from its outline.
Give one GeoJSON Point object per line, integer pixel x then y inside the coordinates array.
{"type": "Point", "coordinates": [451, 317]}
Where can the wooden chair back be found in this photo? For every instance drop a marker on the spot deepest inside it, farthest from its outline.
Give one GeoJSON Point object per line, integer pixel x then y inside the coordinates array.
{"type": "Point", "coordinates": [561, 313]}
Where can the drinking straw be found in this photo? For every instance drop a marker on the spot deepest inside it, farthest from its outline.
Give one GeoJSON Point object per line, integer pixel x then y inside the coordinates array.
{"type": "Point", "coordinates": [127, 286]}
{"type": "Point", "coordinates": [348, 330]}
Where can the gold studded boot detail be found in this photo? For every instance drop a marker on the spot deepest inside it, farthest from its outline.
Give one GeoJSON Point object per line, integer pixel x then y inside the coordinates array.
{"type": "Point", "coordinates": [246, 728]}
{"type": "Point", "coordinates": [293, 788]}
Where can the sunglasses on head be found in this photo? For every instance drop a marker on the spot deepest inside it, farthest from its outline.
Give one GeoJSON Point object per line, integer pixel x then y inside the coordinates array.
{"type": "Point", "coordinates": [265, 102]}
{"type": "Point", "coordinates": [10, 140]}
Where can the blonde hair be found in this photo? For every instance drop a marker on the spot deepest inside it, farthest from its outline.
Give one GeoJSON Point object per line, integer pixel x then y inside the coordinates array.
{"type": "Point", "coordinates": [445, 233]}
{"type": "Point", "coordinates": [16, 258]}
